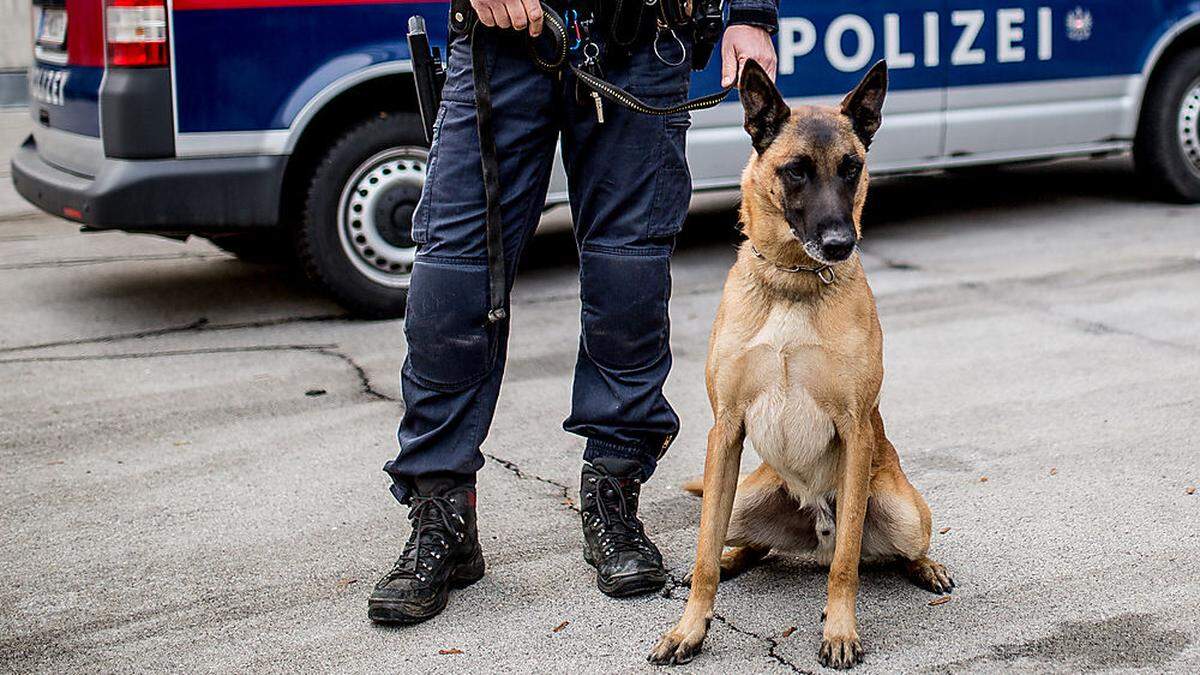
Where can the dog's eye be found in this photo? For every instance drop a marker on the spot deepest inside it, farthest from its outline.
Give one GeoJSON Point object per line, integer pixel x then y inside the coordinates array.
{"type": "Point", "coordinates": [796, 172]}
{"type": "Point", "coordinates": [851, 169]}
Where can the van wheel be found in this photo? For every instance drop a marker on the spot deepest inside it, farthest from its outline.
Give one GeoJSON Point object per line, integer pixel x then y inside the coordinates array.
{"type": "Point", "coordinates": [355, 240]}
{"type": "Point", "coordinates": [1167, 149]}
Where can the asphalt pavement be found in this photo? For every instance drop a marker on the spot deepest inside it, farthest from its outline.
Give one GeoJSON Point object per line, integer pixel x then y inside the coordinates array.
{"type": "Point", "coordinates": [191, 451]}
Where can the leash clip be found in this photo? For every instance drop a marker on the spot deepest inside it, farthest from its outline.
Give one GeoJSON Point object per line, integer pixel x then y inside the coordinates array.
{"type": "Point", "coordinates": [826, 275]}
{"type": "Point", "coordinates": [591, 54]}
{"type": "Point", "coordinates": [682, 48]}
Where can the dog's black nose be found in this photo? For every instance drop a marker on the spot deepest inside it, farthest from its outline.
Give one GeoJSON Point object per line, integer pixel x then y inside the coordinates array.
{"type": "Point", "coordinates": [837, 244]}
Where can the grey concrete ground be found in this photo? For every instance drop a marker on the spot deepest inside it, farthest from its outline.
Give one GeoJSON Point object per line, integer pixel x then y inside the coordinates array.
{"type": "Point", "coordinates": [172, 499]}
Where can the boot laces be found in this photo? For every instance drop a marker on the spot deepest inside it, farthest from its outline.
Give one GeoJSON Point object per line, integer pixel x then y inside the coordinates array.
{"type": "Point", "coordinates": [618, 528]}
{"type": "Point", "coordinates": [434, 521]}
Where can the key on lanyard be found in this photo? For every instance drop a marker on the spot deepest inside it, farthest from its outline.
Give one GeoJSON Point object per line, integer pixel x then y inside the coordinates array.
{"type": "Point", "coordinates": [591, 61]}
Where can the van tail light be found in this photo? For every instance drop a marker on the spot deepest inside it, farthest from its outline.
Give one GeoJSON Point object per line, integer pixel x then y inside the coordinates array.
{"type": "Point", "coordinates": [136, 33]}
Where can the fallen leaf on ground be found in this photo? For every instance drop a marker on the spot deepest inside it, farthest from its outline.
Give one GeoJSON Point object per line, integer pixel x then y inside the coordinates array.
{"type": "Point", "coordinates": [315, 392]}
{"type": "Point", "coordinates": [983, 479]}
{"type": "Point", "coordinates": [787, 632]}
{"type": "Point", "coordinates": [944, 530]}
{"type": "Point", "coordinates": [1191, 489]}
{"type": "Point", "coordinates": [443, 652]}
{"type": "Point", "coordinates": [55, 461]}
{"type": "Point", "coordinates": [559, 627]}
{"type": "Point", "coordinates": [567, 501]}
{"type": "Point", "coordinates": [940, 601]}
{"type": "Point", "coordinates": [1054, 471]}
{"type": "Point", "coordinates": [183, 442]}
{"type": "Point", "coordinates": [344, 582]}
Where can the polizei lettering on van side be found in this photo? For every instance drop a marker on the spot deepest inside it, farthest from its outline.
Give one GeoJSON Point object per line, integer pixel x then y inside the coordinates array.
{"type": "Point", "coordinates": [849, 41]}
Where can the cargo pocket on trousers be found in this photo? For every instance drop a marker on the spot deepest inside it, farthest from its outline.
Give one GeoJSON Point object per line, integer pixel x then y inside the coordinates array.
{"type": "Point", "coordinates": [624, 295]}
{"type": "Point", "coordinates": [673, 185]}
{"type": "Point", "coordinates": [421, 215]}
{"type": "Point", "coordinates": [451, 344]}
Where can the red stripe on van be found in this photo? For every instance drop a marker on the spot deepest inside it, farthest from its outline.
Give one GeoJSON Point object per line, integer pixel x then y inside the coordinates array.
{"type": "Point", "coordinates": [85, 33]}
{"type": "Point", "coordinates": [192, 5]}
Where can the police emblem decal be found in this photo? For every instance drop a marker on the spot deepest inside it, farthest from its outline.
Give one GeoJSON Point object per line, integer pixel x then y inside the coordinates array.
{"type": "Point", "coordinates": [1079, 24]}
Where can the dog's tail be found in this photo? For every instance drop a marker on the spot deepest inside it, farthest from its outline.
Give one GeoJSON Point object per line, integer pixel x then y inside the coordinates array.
{"type": "Point", "coordinates": [694, 486]}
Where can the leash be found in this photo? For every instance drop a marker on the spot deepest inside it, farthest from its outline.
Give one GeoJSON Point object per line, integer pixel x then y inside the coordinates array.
{"type": "Point", "coordinates": [557, 32]}
{"type": "Point", "coordinates": [497, 274]}
{"type": "Point", "coordinates": [824, 272]}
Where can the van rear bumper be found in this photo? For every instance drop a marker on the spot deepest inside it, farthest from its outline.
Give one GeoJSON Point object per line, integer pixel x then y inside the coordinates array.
{"type": "Point", "coordinates": [184, 196]}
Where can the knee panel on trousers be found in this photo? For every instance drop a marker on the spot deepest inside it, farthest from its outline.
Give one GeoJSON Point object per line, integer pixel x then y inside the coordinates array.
{"type": "Point", "coordinates": [451, 343]}
{"type": "Point", "coordinates": [625, 295]}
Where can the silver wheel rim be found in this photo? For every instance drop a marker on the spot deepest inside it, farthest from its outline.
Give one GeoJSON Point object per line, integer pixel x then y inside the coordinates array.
{"type": "Point", "coordinates": [1189, 126]}
{"type": "Point", "coordinates": [388, 181]}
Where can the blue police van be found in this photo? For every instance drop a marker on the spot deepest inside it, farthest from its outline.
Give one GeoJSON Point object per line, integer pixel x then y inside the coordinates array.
{"type": "Point", "coordinates": [287, 128]}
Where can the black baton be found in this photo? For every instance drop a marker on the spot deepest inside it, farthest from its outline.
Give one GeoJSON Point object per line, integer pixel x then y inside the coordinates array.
{"type": "Point", "coordinates": [428, 73]}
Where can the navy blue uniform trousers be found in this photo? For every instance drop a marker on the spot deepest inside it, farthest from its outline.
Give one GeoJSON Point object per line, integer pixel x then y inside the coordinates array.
{"type": "Point", "coordinates": [629, 188]}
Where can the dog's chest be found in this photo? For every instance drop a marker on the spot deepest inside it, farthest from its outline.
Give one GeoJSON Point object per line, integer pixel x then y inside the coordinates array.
{"type": "Point", "coordinates": [784, 423]}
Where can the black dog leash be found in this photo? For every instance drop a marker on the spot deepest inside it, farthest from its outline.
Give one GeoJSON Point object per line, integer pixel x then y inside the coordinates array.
{"type": "Point", "coordinates": [497, 273]}
{"type": "Point", "coordinates": [558, 33]}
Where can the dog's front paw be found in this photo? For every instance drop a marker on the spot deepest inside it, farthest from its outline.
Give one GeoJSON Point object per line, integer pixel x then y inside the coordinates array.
{"type": "Point", "coordinates": [841, 652]}
{"type": "Point", "coordinates": [678, 646]}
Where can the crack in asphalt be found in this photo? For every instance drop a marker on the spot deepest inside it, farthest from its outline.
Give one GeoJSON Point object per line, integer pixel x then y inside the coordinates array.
{"type": "Point", "coordinates": [172, 352]}
{"type": "Point", "coordinates": [772, 643]}
{"type": "Point", "coordinates": [515, 470]}
{"type": "Point", "coordinates": [364, 381]}
{"type": "Point", "coordinates": [201, 324]}
{"type": "Point", "coordinates": [78, 262]}
{"type": "Point", "coordinates": [331, 350]}
{"type": "Point", "coordinates": [674, 582]}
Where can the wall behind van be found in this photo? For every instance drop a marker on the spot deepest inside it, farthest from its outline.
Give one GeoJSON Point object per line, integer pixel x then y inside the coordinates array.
{"type": "Point", "coordinates": [15, 50]}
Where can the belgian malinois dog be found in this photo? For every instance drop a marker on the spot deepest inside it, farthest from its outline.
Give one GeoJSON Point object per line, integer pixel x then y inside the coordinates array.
{"type": "Point", "coordinates": [795, 365]}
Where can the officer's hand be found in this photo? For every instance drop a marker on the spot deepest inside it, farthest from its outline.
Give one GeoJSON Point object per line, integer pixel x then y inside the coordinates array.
{"type": "Point", "coordinates": [515, 14]}
{"type": "Point", "coordinates": [741, 43]}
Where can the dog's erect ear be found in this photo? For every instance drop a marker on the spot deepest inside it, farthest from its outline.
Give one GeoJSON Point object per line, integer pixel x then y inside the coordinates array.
{"type": "Point", "coordinates": [766, 112]}
{"type": "Point", "coordinates": [864, 105]}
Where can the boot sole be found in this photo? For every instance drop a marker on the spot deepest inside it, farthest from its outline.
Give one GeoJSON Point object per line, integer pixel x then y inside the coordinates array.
{"type": "Point", "coordinates": [398, 612]}
{"type": "Point", "coordinates": [628, 587]}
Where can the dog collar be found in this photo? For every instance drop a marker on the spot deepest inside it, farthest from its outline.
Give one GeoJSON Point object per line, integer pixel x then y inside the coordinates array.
{"type": "Point", "coordinates": [824, 272]}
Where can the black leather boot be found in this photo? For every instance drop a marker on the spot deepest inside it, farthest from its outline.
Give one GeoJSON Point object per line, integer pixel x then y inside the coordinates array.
{"type": "Point", "coordinates": [442, 553]}
{"type": "Point", "coordinates": [615, 542]}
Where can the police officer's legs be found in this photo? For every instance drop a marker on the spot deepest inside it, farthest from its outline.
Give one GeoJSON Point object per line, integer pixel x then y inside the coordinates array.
{"type": "Point", "coordinates": [630, 188]}
{"type": "Point", "coordinates": [451, 376]}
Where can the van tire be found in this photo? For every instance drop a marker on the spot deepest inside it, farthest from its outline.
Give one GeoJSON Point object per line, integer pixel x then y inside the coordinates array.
{"type": "Point", "coordinates": [1164, 139]}
{"type": "Point", "coordinates": [368, 286]}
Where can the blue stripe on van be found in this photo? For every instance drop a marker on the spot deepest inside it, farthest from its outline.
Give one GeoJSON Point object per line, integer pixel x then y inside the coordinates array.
{"type": "Point", "coordinates": [80, 108]}
{"type": "Point", "coordinates": [254, 69]}
{"type": "Point", "coordinates": [251, 69]}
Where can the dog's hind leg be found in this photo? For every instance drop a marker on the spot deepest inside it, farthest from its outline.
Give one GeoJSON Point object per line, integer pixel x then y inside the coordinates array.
{"type": "Point", "coordinates": [766, 517]}
{"type": "Point", "coordinates": [898, 522]}
{"type": "Point", "coordinates": [739, 559]}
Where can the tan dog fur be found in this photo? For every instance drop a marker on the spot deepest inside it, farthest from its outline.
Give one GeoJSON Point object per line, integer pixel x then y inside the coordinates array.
{"type": "Point", "coordinates": [795, 366]}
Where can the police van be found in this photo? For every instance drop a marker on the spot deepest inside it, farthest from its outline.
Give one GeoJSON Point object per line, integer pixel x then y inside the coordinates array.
{"type": "Point", "coordinates": [287, 128]}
